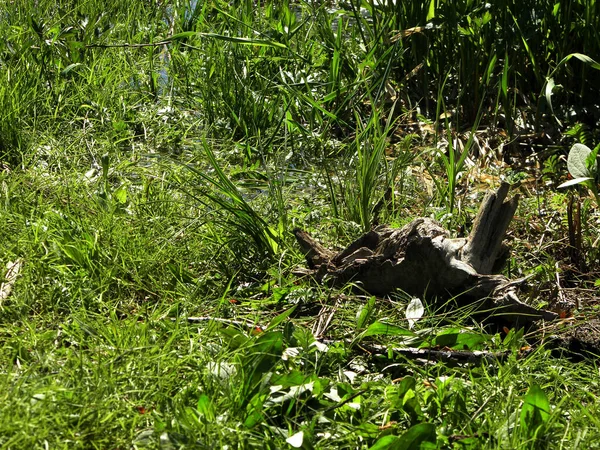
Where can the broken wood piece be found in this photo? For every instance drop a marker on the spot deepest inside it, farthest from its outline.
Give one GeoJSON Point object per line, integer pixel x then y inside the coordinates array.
{"type": "Point", "coordinates": [422, 259]}
{"type": "Point", "coordinates": [484, 244]}
{"type": "Point", "coordinates": [315, 253]}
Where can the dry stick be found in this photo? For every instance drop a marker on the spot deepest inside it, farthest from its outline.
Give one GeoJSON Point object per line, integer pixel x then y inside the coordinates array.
{"type": "Point", "coordinates": [313, 251]}
{"type": "Point", "coordinates": [561, 295]}
{"type": "Point", "coordinates": [220, 320]}
{"type": "Point", "coordinates": [546, 228]}
{"type": "Point", "coordinates": [448, 356]}
{"type": "Point", "coordinates": [320, 328]}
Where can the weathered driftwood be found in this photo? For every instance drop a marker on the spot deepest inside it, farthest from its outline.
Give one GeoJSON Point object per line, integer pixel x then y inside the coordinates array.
{"type": "Point", "coordinates": [421, 259]}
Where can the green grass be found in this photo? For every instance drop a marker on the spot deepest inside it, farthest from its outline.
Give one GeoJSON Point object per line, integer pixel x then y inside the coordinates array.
{"type": "Point", "coordinates": [155, 158]}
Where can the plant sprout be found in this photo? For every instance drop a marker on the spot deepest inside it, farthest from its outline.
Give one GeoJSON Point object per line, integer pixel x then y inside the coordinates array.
{"type": "Point", "coordinates": [583, 167]}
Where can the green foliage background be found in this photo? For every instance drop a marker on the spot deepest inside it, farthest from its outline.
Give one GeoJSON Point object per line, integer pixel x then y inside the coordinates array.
{"type": "Point", "coordinates": [155, 157]}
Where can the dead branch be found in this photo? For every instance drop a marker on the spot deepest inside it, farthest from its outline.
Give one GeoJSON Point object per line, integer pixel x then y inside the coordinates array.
{"type": "Point", "coordinates": [422, 260]}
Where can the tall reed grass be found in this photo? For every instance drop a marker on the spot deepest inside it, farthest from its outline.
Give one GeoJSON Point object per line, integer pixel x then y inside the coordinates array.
{"type": "Point", "coordinates": [237, 65]}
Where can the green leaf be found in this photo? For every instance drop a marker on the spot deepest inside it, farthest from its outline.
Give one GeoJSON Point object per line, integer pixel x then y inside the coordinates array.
{"type": "Point", "coordinates": [269, 343]}
{"type": "Point", "coordinates": [206, 408]}
{"type": "Point", "coordinates": [411, 405]}
{"type": "Point", "coordinates": [384, 443]}
{"type": "Point", "coordinates": [255, 411]}
{"type": "Point", "coordinates": [577, 162]}
{"type": "Point", "coordinates": [590, 161]}
{"type": "Point", "coordinates": [460, 339]}
{"type": "Point", "coordinates": [261, 358]}
{"type": "Point", "coordinates": [237, 40]}
{"type": "Point", "coordinates": [71, 67]}
{"type": "Point", "coordinates": [245, 41]}
{"type": "Point", "coordinates": [431, 12]}
{"type": "Point", "coordinates": [120, 195]}
{"type": "Point", "coordinates": [387, 329]}
{"type": "Point", "coordinates": [417, 437]}
{"type": "Point", "coordinates": [490, 68]}
{"type": "Point", "coordinates": [364, 313]}
{"type": "Point", "coordinates": [280, 293]}
{"type": "Point", "coordinates": [74, 254]}
{"type": "Point", "coordinates": [105, 163]}
{"type": "Point", "coordinates": [234, 336]}
{"type": "Point", "coordinates": [585, 59]}
{"type": "Point", "coordinates": [367, 430]}
{"type": "Point", "coordinates": [406, 385]}
{"type": "Point", "coordinates": [399, 394]}
{"type": "Point", "coordinates": [535, 411]}
{"type": "Point", "coordinates": [293, 378]}
{"type": "Point", "coordinates": [182, 35]}
{"type": "Point", "coordinates": [514, 338]}
{"type": "Point", "coordinates": [281, 317]}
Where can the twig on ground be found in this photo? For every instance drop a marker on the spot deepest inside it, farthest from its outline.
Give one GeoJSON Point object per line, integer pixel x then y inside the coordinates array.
{"type": "Point", "coordinates": [561, 295]}
{"type": "Point", "coordinates": [324, 319]}
{"type": "Point", "coordinates": [432, 355]}
{"type": "Point", "coordinates": [238, 323]}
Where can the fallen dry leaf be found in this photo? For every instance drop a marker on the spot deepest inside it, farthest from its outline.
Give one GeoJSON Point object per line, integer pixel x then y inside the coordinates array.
{"type": "Point", "coordinates": [12, 272]}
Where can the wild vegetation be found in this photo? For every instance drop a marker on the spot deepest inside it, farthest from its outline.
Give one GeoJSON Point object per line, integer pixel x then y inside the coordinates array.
{"type": "Point", "coordinates": [156, 157]}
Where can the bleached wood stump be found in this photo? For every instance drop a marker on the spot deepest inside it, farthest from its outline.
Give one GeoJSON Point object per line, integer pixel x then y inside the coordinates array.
{"type": "Point", "coordinates": [422, 260]}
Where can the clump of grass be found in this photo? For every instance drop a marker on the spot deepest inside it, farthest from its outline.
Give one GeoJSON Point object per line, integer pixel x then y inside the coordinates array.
{"type": "Point", "coordinates": [242, 221]}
